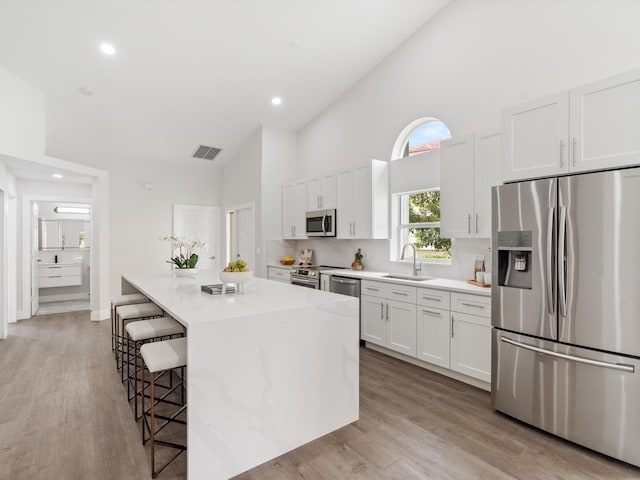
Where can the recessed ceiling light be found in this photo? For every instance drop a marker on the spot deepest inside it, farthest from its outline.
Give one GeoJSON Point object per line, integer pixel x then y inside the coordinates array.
{"type": "Point", "coordinates": [57, 175]}
{"type": "Point", "coordinates": [107, 48]}
{"type": "Point", "coordinates": [276, 100]}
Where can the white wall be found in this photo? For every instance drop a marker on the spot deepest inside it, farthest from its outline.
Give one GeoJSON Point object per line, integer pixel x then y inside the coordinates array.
{"type": "Point", "coordinates": [473, 59]}
{"type": "Point", "coordinates": [242, 185]}
{"type": "Point", "coordinates": [138, 217]}
{"type": "Point", "coordinates": [21, 118]}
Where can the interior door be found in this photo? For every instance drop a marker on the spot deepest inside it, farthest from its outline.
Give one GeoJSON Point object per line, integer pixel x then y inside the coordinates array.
{"type": "Point", "coordinates": [201, 222]}
{"type": "Point", "coordinates": [600, 303]}
{"type": "Point", "coordinates": [243, 237]}
{"type": "Point", "coordinates": [34, 259]}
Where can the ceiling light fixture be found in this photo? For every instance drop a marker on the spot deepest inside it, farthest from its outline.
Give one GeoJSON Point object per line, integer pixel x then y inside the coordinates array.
{"type": "Point", "coordinates": [57, 175]}
{"type": "Point", "coordinates": [107, 48]}
{"type": "Point", "coordinates": [276, 100]}
{"type": "Point", "coordinates": [72, 210]}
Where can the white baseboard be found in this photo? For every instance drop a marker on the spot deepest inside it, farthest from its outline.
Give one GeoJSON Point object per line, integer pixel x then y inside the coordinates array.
{"type": "Point", "coordinates": [63, 297]}
{"type": "Point", "coordinates": [99, 315]}
{"type": "Point", "coordinates": [22, 315]}
{"type": "Point", "coordinates": [434, 368]}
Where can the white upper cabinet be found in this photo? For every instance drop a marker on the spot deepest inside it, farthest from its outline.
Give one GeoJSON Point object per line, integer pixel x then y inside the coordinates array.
{"type": "Point", "coordinates": [469, 167]}
{"type": "Point", "coordinates": [363, 201]}
{"type": "Point", "coordinates": [294, 197]}
{"type": "Point", "coordinates": [456, 187]}
{"type": "Point", "coordinates": [587, 128]}
{"type": "Point", "coordinates": [322, 192]}
{"type": "Point", "coordinates": [487, 174]}
{"type": "Point", "coordinates": [535, 138]}
{"type": "Point", "coordinates": [605, 123]}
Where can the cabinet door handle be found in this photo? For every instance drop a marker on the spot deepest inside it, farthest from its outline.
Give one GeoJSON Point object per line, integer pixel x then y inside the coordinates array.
{"type": "Point", "coordinates": [477, 221]}
{"type": "Point", "coordinates": [561, 154]}
{"type": "Point", "coordinates": [381, 310]}
{"type": "Point", "coordinates": [435, 299]}
{"type": "Point", "coordinates": [573, 153]}
{"type": "Point", "coordinates": [475, 305]}
{"type": "Point", "coordinates": [453, 320]}
{"type": "Point", "coordinates": [432, 313]}
{"type": "Point", "coordinates": [396, 292]}
{"type": "Point", "coordinates": [387, 312]}
{"type": "Point", "coordinates": [55, 276]}
{"type": "Point", "coordinates": [372, 289]}
{"type": "Point", "coordinates": [469, 224]}
{"type": "Point", "coordinates": [53, 267]}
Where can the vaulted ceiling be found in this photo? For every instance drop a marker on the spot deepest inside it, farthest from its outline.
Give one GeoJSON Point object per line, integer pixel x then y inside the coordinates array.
{"type": "Point", "coordinates": [190, 72]}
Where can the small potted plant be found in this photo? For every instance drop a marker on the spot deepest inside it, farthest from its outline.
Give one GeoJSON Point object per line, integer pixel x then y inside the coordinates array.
{"type": "Point", "coordinates": [184, 259]}
{"type": "Point", "coordinates": [357, 260]}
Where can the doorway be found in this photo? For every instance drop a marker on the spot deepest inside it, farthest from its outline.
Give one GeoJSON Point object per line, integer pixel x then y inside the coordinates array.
{"type": "Point", "coordinates": [240, 234]}
{"type": "Point", "coordinates": [61, 246]}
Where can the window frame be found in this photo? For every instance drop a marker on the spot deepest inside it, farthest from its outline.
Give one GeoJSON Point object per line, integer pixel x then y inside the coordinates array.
{"type": "Point", "coordinates": [401, 230]}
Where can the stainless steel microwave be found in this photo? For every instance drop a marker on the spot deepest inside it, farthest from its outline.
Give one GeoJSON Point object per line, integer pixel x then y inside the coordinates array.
{"type": "Point", "coordinates": [321, 223]}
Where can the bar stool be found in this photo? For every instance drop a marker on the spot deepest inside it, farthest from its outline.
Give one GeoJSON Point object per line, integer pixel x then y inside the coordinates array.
{"type": "Point", "coordinates": [118, 301]}
{"type": "Point", "coordinates": [140, 332]}
{"type": "Point", "coordinates": [158, 357]}
{"type": "Point", "coordinates": [128, 313]}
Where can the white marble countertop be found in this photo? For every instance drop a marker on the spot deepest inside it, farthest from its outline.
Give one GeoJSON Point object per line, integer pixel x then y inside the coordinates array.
{"type": "Point", "coordinates": [183, 299]}
{"type": "Point", "coordinates": [269, 370]}
{"type": "Point", "coordinates": [438, 283]}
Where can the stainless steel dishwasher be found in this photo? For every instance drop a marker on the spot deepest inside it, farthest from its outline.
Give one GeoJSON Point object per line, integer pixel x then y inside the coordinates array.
{"type": "Point", "coordinates": [347, 286]}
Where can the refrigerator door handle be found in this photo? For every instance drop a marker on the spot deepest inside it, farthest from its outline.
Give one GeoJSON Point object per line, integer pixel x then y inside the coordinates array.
{"type": "Point", "coordinates": [551, 307]}
{"type": "Point", "coordinates": [614, 366]}
{"type": "Point", "coordinates": [562, 290]}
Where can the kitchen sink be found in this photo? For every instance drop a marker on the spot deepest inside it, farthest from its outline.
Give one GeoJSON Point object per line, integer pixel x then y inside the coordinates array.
{"type": "Point", "coordinates": [399, 276]}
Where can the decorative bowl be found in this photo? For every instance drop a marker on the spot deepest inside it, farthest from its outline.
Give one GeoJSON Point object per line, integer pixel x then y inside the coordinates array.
{"type": "Point", "coordinates": [186, 272]}
{"type": "Point", "coordinates": [287, 262]}
{"type": "Point", "coordinates": [235, 277]}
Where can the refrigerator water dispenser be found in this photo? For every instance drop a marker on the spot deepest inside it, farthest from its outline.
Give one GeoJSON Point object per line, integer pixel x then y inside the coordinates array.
{"type": "Point", "coordinates": [514, 259]}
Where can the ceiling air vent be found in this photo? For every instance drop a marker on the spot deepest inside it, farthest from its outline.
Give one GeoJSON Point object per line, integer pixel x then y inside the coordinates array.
{"type": "Point", "coordinates": [208, 153]}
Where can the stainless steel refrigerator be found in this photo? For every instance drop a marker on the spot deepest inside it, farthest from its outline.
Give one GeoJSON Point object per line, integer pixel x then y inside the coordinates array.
{"type": "Point", "coordinates": [566, 307]}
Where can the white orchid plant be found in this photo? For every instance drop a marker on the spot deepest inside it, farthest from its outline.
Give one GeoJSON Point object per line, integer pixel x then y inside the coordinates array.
{"type": "Point", "coordinates": [185, 257]}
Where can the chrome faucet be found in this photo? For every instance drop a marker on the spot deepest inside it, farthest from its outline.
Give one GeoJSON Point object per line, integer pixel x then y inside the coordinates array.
{"type": "Point", "coordinates": [416, 267]}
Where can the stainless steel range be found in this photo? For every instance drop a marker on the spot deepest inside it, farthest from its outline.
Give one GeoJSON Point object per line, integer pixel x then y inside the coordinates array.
{"type": "Point", "coordinates": [308, 275]}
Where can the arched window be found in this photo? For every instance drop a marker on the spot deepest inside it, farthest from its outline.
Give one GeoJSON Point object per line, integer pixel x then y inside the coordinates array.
{"type": "Point", "coordinates": [421, 135]}
{"type": "Point", "coordinates": [417, 215]}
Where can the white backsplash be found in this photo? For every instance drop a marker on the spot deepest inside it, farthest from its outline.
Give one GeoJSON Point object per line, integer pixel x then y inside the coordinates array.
{"type": "Point", "coordinates": [339, 253]}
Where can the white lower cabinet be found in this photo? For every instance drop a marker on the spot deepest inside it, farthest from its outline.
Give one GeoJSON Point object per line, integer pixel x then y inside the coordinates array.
{"type": "Point", "coordinates": [471, 335]}
{"type": "Point", "coordinates": [278, 274]}
{"type": "Point", "coordinates": [374, 324]}
{"type": "Point", "coordinates": [401, 327]}
{"type": "Point", "coordinates": [447, 329]}
{"type": "Point", "coordinates": [433, 336]}
{"type": "Point", "coordinates": [388, 322]}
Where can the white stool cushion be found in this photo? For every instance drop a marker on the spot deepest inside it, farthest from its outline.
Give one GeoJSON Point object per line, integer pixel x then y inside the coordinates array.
{"type": "Point", "coordinates": [165, 355]}
{"type": "Point", "coordinates": [153, 328]}
{"type": "Point", "coordinates": [129, 299]}
{"type": "Point", "coordinates": [140, 310]}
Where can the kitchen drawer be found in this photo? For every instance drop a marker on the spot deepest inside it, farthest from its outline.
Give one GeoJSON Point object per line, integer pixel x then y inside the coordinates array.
{"type": "Point", "coordinates": [279, 274]}
{"type": "Point", "coordinates": [59, 281]}
{"type": "Point", "coordinates": [471, 304]}
{"type": "Point", "coordinates": [401, 293]}
{"type": "Point", "coordinates": [61, 270]}
{"type": "Point", "coordinates": [373, 289]}
{"type": "Point", "coordinates": [429, 297]}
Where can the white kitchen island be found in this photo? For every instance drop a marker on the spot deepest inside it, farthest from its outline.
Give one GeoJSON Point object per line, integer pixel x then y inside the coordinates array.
{"type": "Point", "coordinates": [268, 370]}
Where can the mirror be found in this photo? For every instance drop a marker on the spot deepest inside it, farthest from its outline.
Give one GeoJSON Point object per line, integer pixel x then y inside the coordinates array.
{"type": "Point", "coordinates": [62, 234]}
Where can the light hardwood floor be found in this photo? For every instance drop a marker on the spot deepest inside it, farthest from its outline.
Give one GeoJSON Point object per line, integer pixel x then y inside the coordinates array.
{"type": "Point", "coordinates": [64, 416]}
